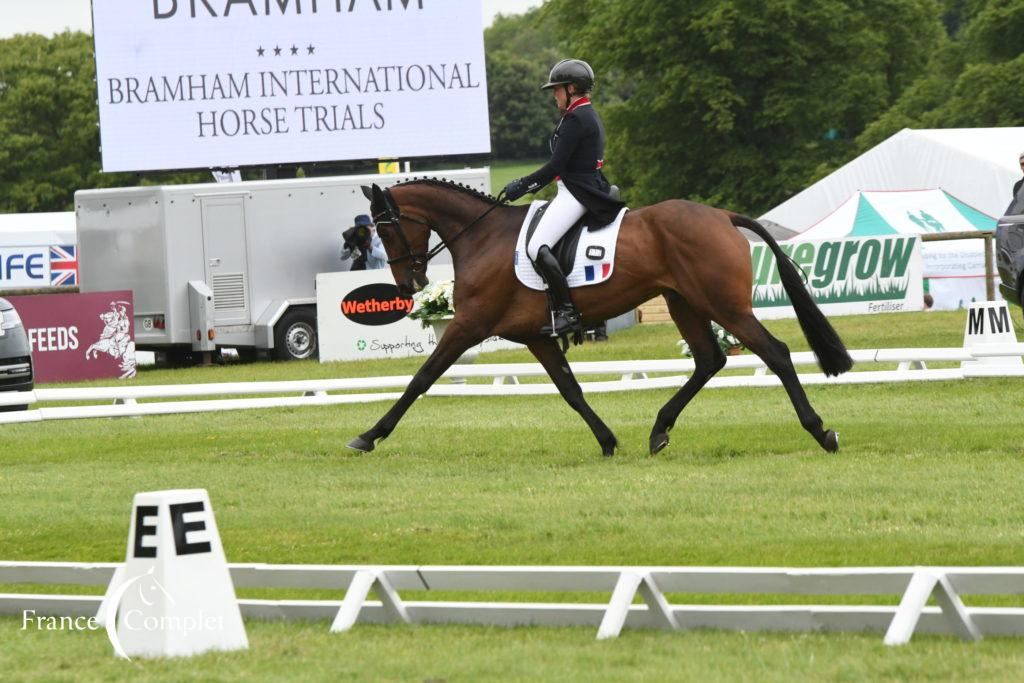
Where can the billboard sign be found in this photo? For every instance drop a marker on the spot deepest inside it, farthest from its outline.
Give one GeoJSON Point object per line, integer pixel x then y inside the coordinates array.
{"type": "Point", "coordinates": [361, 315]}
{"type": "Point", "coordinates": [79, 336]}
{"type": "Point", "coordinates": [226, 83]}
{"type": "Point", "coordinates": [845, 276]}
{"type": "Point", "coordinates": [38, 266]}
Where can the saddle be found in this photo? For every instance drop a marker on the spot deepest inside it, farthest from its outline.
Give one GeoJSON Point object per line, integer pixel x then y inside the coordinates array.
{"type": "Point", "coordinates": [565, 248]}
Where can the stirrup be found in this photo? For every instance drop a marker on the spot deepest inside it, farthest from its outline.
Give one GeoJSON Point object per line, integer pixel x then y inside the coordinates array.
{"type": "Point", "coordinates": [564, 322]}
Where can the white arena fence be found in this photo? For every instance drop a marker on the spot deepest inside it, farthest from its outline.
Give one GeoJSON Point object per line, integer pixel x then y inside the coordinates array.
{"type": "Point", "coordinates": [634, 375]}
{"type": "Point", "coordinates": [899, 622]}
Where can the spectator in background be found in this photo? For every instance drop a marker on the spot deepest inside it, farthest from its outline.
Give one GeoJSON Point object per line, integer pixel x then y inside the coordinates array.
{"type": "Point", "coordinates": [362, 245]}
{"type": "Point", "coordinates": [1017, 204]}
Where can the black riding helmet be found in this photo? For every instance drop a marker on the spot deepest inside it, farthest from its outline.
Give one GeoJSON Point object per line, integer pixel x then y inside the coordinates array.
{"type": "Point", "coordinates": [574, 71]}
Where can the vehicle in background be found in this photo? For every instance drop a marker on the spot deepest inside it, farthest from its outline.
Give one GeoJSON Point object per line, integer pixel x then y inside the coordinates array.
{"type": "Point", "coordinates": [15, 354]}
{"type": "Point", "coordinates": [226, 265]}
{"type": "Point", "coordinates": [1010, 253]}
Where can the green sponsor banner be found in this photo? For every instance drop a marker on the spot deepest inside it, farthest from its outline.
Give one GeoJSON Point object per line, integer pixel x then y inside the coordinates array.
{"type": "Point", "coordinates": [858, 275]}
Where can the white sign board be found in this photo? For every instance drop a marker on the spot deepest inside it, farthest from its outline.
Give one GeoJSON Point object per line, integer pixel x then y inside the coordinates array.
{"type": "Point", "coordinates": [989, 324]}
{"type": "Point", "coordinates": [173, 597]}
{"type": "Point", "coordinates": [225, 83]}
{"type": "Point", "coordinates": [361, 315]}
{"type": "Point", "coordinates": [845, 276]}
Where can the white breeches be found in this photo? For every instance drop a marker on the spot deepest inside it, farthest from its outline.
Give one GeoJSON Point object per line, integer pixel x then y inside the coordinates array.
{"type": "Point", "coordinates": [562, 213]}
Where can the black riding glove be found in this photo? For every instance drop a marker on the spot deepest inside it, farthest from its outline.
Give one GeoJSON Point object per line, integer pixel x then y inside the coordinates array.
{"type": "Point", "coordinates": [515, 190]}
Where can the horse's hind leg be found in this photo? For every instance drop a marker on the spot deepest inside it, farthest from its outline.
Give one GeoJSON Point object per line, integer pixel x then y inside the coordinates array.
{"type": "Point", "coordinates": [707, 356]}
{"type": "Point", "coordinates": [554, 362]}
{"type": "Point", "coordinates": [749, 330]}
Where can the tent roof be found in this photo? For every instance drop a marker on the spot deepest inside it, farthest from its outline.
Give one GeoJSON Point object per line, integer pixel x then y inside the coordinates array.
{"type": "Point", "coordinates": [25, 222]}
{"type": "Point", "coordinates": [976, 165]}
{"type": "Point", "coordinates": [899, 213]}
{"type": "Point", "coordinates": [35, 229]}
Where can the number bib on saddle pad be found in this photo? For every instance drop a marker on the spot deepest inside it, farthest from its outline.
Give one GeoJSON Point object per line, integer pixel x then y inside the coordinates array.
{"type": "Point", "coordinates": [593, 259]}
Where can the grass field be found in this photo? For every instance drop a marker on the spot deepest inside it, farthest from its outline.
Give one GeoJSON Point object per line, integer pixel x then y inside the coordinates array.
{"type": "Point", "coordinates": [930, 473]}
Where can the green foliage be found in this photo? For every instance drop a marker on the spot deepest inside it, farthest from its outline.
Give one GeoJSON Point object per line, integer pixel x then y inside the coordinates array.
{"type": "Point", "coordinates": [520, 52]}
{"type": "Point", "coordinates": [970, 79]}
{"type": "Point", "coordinates": [49, 134]}
{"type": "Point", "coordinates": [732, 101]}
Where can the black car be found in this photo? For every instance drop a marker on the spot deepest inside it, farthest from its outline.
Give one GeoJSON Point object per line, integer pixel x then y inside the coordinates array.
{"type": "Point", "coordinates": [1010, 251]}
{"type": "Point", "coordinates": [15, 353]}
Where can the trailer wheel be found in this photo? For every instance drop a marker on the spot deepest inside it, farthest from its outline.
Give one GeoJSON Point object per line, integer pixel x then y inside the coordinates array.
{"type": "Point", "coordinates": [295, 336]}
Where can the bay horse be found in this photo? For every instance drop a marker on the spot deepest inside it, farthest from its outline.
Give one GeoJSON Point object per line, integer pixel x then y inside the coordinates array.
{"type": "Point", "coordinates": [692, 254]}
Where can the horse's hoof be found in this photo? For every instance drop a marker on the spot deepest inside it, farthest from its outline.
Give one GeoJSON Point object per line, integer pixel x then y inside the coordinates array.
{"type": "Point", "coordinates": [658, 442]}
{"type": "Point", "coordinates": [608, 450]}
{"type": "Point", "coordinates": [360, 444]}
{"type": "Point", "coordinates": [831, 442]}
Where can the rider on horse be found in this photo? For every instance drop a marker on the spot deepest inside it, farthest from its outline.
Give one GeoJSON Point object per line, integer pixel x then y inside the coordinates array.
{"type": "Point", "coordinates": [577, 155]}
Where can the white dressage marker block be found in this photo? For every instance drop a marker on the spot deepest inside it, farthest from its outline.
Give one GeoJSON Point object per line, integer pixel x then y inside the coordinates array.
{"type": "Point", "coordinates": [174, 596]}
{"type": "Point", "coordinates": [989, 325]}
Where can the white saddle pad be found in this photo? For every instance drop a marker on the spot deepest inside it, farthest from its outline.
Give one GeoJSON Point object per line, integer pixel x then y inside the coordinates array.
{"type": "Point", "coordinates": [595, 254]}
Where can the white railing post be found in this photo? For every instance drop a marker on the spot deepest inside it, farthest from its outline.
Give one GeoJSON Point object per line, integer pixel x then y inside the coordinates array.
{"type": "Point", "coordinates": [355, 598]}
{"type": "Point", "coordinates": [923, 584]}
{"type": "Point", "coordinates": [955, 612]}
{"type": "Point", "coordinates": [618, 607]}
{"type": "Point", "coordinates": [658, 606]}
{"type": "Point", "coordinates": [622, 598]}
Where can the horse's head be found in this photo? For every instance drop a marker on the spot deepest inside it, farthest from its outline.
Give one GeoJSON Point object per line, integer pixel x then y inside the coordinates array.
{"type": "Point", "coordinates": [405, 237]}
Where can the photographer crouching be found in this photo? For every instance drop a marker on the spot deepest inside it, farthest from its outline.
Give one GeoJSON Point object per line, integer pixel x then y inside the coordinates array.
{"type": "Point", "coordinates": [362, 246]}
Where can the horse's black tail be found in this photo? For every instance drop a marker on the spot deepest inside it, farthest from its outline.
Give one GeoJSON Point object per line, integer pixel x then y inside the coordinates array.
{"type": "Point", "coordinates": [825, 342]}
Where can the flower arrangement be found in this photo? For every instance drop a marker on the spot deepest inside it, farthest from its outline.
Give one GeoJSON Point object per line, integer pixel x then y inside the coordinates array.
{"type": "Point", "coordinates": [434, 302]}
{"type": "Point", "coordinates": [726, 341]}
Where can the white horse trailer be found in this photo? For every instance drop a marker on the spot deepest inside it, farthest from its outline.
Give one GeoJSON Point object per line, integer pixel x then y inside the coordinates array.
{"type": "Point", "coordinates": [226, 265]}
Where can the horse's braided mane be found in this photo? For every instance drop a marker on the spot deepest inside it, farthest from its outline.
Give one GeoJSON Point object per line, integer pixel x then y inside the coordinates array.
{"type": "Point", "coordinates": [458, 187]}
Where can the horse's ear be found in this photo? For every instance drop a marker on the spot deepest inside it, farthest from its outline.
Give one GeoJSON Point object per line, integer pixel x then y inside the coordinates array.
{"type": "Point", "coordinates": [377, 195]}
{"type": "Point", "coordinates": [367, 192]}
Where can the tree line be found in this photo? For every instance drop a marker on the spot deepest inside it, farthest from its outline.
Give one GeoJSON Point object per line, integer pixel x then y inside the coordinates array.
{"type": "Point", "coordinates": [737, 103]}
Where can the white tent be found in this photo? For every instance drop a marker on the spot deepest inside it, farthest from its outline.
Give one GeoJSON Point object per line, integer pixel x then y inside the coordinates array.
{"type": "Point", "coordinates": [969, 174]}
{"type": "Point", "coordinates": [33, 229]}
{"type": "Point", "coordinates": [978, 166]}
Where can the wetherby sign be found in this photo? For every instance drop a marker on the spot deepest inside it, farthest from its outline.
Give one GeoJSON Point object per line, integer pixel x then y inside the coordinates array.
{"type": "Point", "coordinates": [375, 304]}
{"type": "Point", "coordinates": [219, 83]}
{"type": "Point", "coordinates": [360, 315]}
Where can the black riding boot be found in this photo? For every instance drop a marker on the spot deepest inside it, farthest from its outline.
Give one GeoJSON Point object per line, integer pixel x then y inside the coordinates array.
{"type": "Point", "coordinates": [565, 318]}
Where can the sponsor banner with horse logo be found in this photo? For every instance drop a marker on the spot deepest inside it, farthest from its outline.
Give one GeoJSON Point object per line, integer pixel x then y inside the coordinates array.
{"type": "Point", "coordinates": [80, 336]}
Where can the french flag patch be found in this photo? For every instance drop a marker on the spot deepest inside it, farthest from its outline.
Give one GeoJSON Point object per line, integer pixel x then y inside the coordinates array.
{"type": "Point", "coordinates": [590, 272]}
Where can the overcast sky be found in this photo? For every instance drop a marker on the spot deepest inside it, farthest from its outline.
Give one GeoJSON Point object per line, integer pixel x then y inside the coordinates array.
{"type": "Point", "coordinates": [53, 16]}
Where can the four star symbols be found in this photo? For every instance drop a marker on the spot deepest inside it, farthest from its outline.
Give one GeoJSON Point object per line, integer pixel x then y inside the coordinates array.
{"type": "Point", "coordinates": [294, 50]}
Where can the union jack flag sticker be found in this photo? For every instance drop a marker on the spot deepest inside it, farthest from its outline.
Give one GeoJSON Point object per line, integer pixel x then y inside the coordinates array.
{"type": "Point", "coordinates": [63, 266]}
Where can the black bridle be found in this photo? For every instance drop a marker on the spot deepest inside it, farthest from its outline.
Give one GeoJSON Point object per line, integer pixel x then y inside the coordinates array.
{"type": "Point", "coordinates": [392, 215]}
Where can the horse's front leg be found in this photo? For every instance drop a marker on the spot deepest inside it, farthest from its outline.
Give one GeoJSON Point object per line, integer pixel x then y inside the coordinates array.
{"type": "Point", "coordinates": [551, 357]}
{"type": "Point", "coordinates": [457, 339]}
